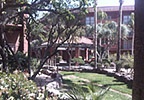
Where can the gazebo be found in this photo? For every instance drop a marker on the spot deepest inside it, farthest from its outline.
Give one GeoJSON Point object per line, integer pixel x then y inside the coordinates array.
{"type": "Point", "coordinates": [82, 46]}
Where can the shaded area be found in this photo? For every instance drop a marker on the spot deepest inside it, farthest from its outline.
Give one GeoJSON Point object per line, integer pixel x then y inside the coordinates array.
{"type": "Point", "coordinates": [65, 74]}
{"type": "Point", "coordinates": [43, 80]}
{"type": "Point", "coordinates": [101, 80]}
{"type": "Point", "coordinates": [111, 95]}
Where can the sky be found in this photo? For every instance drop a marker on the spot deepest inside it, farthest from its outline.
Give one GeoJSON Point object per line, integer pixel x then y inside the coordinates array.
{"type": "Point", "coordinates": [114, 2]}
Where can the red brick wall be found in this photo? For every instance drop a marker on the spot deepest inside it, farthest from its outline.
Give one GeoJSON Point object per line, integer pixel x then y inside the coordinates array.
{"type": "Point", "coordinates": [12, 34]}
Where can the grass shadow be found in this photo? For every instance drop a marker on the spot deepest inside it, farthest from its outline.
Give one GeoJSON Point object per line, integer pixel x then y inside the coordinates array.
{"type": "Point", "coordinates": [67, 84]}
{"type": "Point", "coordinates": [128, 83]}
{"type": "Point", "coordinates": [113, 84]}
{"type": "Point", "coordinates": [65, 74]}
{"type": "Point", "coordinates": [95, 81]}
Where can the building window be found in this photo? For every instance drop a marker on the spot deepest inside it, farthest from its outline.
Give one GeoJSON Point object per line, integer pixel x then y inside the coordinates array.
{"type": "Point", "coordinates": [126, 19]}
{"type": "Point", "coordinates": [127, 44]}
{"type": "Point", "coordinates": [130, 33]}
{"type": "Point", "coordinates": [89, 20]}
{"type": "Point", "coordinates": [12, 45]}
{"type": "Point", "coordinates": [109, 18]}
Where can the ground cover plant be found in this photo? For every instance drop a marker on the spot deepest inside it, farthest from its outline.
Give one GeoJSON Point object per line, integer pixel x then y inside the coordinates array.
{"type": "Point", "coordinates": [17, 87]}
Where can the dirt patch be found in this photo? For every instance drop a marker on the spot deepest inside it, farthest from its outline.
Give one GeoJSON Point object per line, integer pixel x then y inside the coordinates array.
{"type": "Point", "coordinates": [75, 77]}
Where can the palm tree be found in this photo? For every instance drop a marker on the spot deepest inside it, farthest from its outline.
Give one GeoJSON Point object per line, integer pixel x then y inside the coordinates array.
{"type": "Point", "coordinates": [102, 36]}
{"type": "Point", "coordinates": [119, 30]}
{"type": "Point", "coordinates": [107, 34]}
{"type": "Point", "coordinates": [95, 33]}
{"type": "Point", "coordinates": [110, 32]}
{"type": "Point", "coordinates": [89, 30]}
{"type": "Point", "coordinates": [101, 15]}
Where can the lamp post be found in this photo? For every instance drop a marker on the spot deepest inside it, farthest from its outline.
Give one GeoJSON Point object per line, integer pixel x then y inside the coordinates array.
{"type": "Point", "coordinates": [119, 30]}
{"type": "Point", "coordinates": [95, 33]}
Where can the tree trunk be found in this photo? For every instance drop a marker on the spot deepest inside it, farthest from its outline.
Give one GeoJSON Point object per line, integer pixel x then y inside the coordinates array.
{"type": "Point", "coordinates": [132, 51]}
{"type": "Point", "coordinates": [100, 52]}
{"type": "Point", "coordinates": [70, 57]}
{"type": "Point", "coordinates": [43, 61]}
{"type": "Point", "coordinates": [119, 32]}
{"type": "Point", "coordinates": [95, 34]}
{"type": "Point", "coordinates": [2, 39]}
{"type": "Point", "coordinates": [21, 39]}
{"type": "Point", "coordinates": [2, 49]}
{"type": "Point", "coordinates": [138, 82]}
{"type": "Point", "coordinates": [29, 52]}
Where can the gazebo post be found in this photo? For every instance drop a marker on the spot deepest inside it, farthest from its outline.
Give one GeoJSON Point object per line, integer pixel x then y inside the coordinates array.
{"type": "Point", "coordinates": [86, 54]}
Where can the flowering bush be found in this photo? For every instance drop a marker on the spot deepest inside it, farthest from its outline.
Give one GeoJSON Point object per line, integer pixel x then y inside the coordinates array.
{"type": "Point", "coordinates": [16, 87]}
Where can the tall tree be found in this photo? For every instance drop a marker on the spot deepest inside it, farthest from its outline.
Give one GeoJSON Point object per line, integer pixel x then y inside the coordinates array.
{"type": "Point", "coordinates": [65, 23]}
{"type": "Point", "coordinates": [101, 16]}
{"type": "Point", "coordinates": [138, 82]}
{"type": "Point", "coordinates": [107, 33]}
{"type": "Point", "coordinates": [59, 27]}
{"type": "Point", "coordinates": [95, 33]}
{"type": "Point", "coordinates": [119, 30]}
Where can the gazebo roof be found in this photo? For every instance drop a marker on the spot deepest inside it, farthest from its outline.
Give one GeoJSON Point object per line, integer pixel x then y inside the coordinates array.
{"type": "Point", "coordinates": [78, 40]}
{"type": "Point", "coordinates": [82, 40]}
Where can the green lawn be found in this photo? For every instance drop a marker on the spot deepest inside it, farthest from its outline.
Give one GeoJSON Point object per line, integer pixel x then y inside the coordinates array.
{"type": "Point", "coordinates": [99, 79]}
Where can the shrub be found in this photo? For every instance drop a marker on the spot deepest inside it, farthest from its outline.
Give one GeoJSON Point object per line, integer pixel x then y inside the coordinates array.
{"type": "Point", "coordinates": [22, 59]}
{"type": "Point", "coordinates": [127, 65]}
{"type": "Point", "coordinates": [78, 60]}
{"type": "Point", "coordinates": [112, 65]}
{"type": "Point", "coordinates": [16, 87]}
{"type": "Point", "coordinates": [58, 59]}
{"type": "Point", "coordinates": [92, 64]}
{"type": "Point", "coordinates": [106, 65]}
{"type": "Point", "coordinates": [105, 61]}
{"type": "Point", "coordinates": [119, 65]}
{"type": "Point", "coordinates": [34, 63]}
{"type": "Point", "coordinates": [128, 61]}
{"type": "Point", "coordinates": [88, 92]}
{"type": "Point", "coordinates": [112, 58]}
{"type": "Point", "coordinates": [99, 64]}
